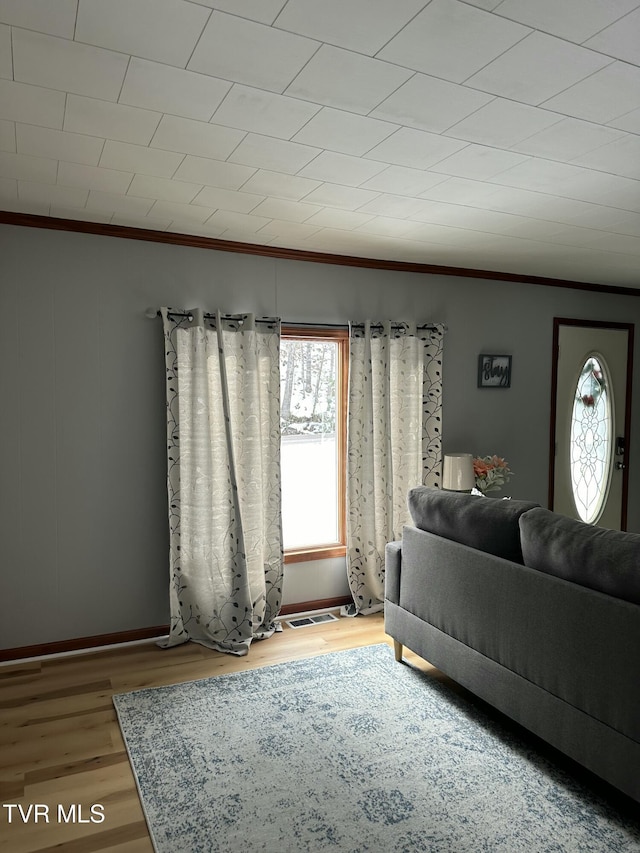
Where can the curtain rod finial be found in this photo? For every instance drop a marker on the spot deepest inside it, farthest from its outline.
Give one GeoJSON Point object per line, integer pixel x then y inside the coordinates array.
{"type": "Point", "coordinates": [151, 313]}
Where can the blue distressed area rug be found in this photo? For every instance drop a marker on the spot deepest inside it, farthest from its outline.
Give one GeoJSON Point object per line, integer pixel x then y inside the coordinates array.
{"type": "Point", "coordinates": [349, 752]}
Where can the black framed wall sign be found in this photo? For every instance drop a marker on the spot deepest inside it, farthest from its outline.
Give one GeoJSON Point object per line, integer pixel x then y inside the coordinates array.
{"type": "Point", "coordinates": [494, 371]}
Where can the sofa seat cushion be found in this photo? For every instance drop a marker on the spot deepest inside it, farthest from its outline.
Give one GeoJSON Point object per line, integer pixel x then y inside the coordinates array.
{"type": "Point", "coordinates": [487, 524]}
{"type": "Point", "coordinates": [604, 560]}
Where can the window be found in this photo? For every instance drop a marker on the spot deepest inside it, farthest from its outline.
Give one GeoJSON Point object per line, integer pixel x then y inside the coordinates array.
{"type": "Point", "coordinates": [313, 405]}
{"type": "Point", "coordinates": [591, 440]}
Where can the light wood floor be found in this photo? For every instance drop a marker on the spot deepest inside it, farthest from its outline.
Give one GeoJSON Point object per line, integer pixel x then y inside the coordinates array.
{"type": "Point", "coordinates": [60, 742]}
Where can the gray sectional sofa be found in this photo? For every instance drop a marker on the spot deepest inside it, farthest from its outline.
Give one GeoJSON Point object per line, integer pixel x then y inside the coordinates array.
{"type": "Point", "coordinates": [537, 614]}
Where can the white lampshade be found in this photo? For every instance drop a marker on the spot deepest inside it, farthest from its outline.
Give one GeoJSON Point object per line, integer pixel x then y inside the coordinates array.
{"type": "Point", "coordinates": [457, 472]}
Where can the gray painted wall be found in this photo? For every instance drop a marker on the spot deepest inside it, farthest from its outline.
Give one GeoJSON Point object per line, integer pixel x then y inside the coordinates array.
{"type": "Point", "coordinates": [83, 496]}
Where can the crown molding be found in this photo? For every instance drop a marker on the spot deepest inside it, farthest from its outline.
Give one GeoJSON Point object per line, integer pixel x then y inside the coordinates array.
{"type": "Point", "coordinates": [28, 220]}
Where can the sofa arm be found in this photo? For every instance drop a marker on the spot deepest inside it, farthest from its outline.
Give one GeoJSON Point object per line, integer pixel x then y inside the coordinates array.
{"type": "Point", "coordinates": [392, 563]}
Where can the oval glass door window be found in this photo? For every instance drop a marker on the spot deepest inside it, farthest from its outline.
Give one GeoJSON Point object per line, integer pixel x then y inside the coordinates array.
{"type": "Point", "coordinates": [591, 442]}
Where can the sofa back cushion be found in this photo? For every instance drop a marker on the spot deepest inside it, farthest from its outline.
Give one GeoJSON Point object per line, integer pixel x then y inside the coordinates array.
{"type": "Point", "coordinates": [484, 523]}
{"type": "Point", "coordinates": [605, 560]}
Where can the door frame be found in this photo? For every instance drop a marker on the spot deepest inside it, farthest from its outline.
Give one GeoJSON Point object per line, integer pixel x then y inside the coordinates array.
{"type": "Point", "coordinates": [593, 324]}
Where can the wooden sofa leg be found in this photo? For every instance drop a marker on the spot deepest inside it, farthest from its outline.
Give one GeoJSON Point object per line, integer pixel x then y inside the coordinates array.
{"type": "Point", "coordinates": [397, 648]}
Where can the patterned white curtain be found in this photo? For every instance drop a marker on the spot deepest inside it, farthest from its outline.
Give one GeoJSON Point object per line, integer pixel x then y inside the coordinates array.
{"type": "Point", "coordinates": [393, 441]}
{"type": "Point", "coordinates": [223, 440]}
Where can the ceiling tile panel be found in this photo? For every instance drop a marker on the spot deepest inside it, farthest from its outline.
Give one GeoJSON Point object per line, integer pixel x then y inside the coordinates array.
{"type": "Point", "coordinates": [106, 202]}
{"type": "Point", "coordinates": [294, 211]}
{"type": "Point", "coordinates": [285, 228]}
{"type": "Point", "coordinates": [478, 162]}
{"type": "Point", "coordinates": [574, 21]}
{"type": "Point", "coordinates": [446, 234]}
{"type": "Point", "coordinates": [629, 121]}
{"type": "Point", "coordinates": [388, 205]}
{"type": "Point", "coordinates": [606, 95]}
{"type": "Point", "coordinates": [575, 182]}
{"type": "Point", "coordinates": [334, 195]}
{"type": "Point", "coordinates": [544, 176]}
{"type": "Point", "coordinates": [341, 23]}
{"type": "Point", "coordinates": [263, 11]}
{"type": "Point", "coordinates": [185, 212]}
{"type": "Point", "coordinates": [415, 148]}
{"type": "Point", "coordinates": [32, 208]}
{"type": "Point", "coordinates": [345, 242]}
{"type": "Point", "coordinates": [56, 18]}
{"type": "Point", "coordinates": [246, 52]}
{"type": "Point", "coordinates": [73, 197]}
{"type": "Point", "coordinates": [166, 89]}
{"type": "Point", "coordinates": [112, 121]}
{"type": "Point", "coordinates": [617, 243]}
{"type": "Point", "coordinates": [322, 80]}
{"type": "Point", "coordinates": [45, 142]}
{"type": "Point", "coordinates": [215, 173]}
{"type": "Point", "coordinates": [464, 191]}
{"type": "Point", "coordinates": [508, 199]}
{"type": "Point", "coordinates": [246, 222]}
{"type": "Point", "coordinates": [93, 178]}
{"type": "Point", "coordinates": [138, 158]}
{"type": "Point", "coordinates": [402, 180]}
{"type": "Point", "coordinates": [147, 186]}
{"type": "Point", "coordinates": [8, 190]}
{"type": "Point", "coordinates": [276, 155]}
{"type": "Point", "coordinates": [551, 208]}
{"type": "Point", "coordinates": [146, 222]}
{"type": "Point", "coordinates": [453, 40]}
{"type": "Point", "coordinates": [534, 229]}
{"type": "Point", "coordinates": [280, 185]}
{"type": "Point", "coordinates": [248, 235]}
{"type": "Point", "coordinates": [31, 104]}
{"type": "Point", "coordinates": [26, 168]}
{"type": "Point", "coordinates": [537, 68]}
{"type": "Point", "coordinates": [195, 137]}
{"type": "Point", "coordinates": [621, 157]}
{"type": "Point", "coordinates": [68, 66]}
{"type": "Point", "coordinates": [463, 216]}
{"type": "Point", "coordinates": [6, 60]}
{"type": "Point", "coordinates": [621, 39]}
{"type": "Point", "coordinates": [341, 169]}
{"type": "Point", "coordinates": [203, 230]}
{"type": "Point", "coordinates": [238, 202]}
{"type": "Point", "coordinates": [428, 103]}
{"type": "Point", "coordinates": [163, 30]}
{"type": "Point", "coordinates": [7, 136]}
{"type": "Point", "coordinates": [609, 219]}
{"type": "Point", "coordinates": [82, 214]}
{"type": "Point", "coordinates": [263, 112]}
{"type": "Point", "coordinates": [503, 123]}
{"type": "Point", "coordinates": [487, 5]}
{"type": "Point", "coordinates": [338, 218]}
{"type": "Point", "coordinates": [585, 238]}
{"type": "Point", "coordinates": [386, 226]}
{"type": "Point", "coordinates": [567, 139]}
{"type": "Point", "coordinates": [344, 132]}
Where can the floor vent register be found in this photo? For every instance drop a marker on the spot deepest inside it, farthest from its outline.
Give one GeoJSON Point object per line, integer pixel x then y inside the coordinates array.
{"type": "Point", "coordinates": [306, 621]}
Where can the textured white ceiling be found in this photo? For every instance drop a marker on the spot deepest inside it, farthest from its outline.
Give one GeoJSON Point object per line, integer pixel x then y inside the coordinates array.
{"type": "Point", "coordinates": [487, 134]}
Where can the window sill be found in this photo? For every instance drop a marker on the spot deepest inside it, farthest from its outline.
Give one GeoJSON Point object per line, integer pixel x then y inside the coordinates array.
{"type": "Point", "coordinates": [324, 552]}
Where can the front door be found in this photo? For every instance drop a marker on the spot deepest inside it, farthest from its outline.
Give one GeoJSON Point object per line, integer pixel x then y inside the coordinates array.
{"type": "Point", "coordinates": [590, 421]}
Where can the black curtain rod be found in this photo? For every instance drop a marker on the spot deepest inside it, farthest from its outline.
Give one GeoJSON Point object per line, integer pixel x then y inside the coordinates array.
{"type": "Point", "coordinates": [424, 326]}
{"type": "Point", "coordinates": [208, 316]}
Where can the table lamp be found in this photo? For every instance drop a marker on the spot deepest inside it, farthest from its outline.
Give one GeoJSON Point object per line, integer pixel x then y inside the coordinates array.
{"type": "Point", "coordinates": [457, 472]}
